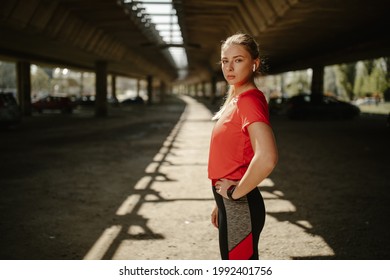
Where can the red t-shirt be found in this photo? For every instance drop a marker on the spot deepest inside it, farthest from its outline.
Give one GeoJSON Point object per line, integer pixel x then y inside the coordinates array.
{"type": "Point", "coordinates": [230, 148]}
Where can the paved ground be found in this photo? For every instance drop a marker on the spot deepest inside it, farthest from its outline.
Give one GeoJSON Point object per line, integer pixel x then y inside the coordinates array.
{"type": "Point", "coordinates": [134, 186]}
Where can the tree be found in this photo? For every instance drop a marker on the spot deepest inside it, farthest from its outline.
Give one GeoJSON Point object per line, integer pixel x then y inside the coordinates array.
{"type": "Point", "coordinates": [7, 75]}
{"type": "Point", "coordinates": [371, 77]}
{"type": "Point", "coordinates": [40, 81]}
{"type": "Point", "coordinates": [345, 79]}
{"type": "Point", "coordinates": [330, 81]}
{"type": "Point", "coordinates": [386, 93]}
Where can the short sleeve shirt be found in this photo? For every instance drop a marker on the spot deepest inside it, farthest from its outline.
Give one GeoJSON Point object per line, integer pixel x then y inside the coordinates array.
{"type": "Point", "coordinates": [230, 148]}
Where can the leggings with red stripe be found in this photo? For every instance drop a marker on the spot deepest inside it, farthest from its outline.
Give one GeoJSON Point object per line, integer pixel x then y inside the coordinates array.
{"type": "Point", "coordinates": [240, 223]}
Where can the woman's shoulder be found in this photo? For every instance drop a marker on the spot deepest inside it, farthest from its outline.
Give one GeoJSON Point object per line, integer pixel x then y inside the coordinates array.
{"type": "Point", "coordinates": [252, 95]}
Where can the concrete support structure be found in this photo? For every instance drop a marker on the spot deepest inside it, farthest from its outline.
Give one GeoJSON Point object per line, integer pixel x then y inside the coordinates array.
{"type": "Point", "coordinates": [317, 83]}
{"type": "Point", "coordinates": [113, 89]}
{"type": "Point", "coordinates": [138, 89]}
{"type": "Point", "coordinates": [150, 89]}
{"type": "Point", "coordinates": [24, 86]}
{"type": "Point", "coordinates": [101, 89]}
{"type": "Point", "coordinates": [213, 88]}
{"type": "Point", "coordinates": [163, 89]}
{"type": "Point", "coordinates": [203, 94]}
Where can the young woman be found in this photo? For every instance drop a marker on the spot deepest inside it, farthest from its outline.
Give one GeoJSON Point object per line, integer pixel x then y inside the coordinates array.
{"type": "Point", "coordinates": [243, 152]}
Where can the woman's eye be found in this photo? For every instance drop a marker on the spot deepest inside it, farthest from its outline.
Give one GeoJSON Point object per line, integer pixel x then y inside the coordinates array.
{"type": "Point", "coordinates": [224, 61]}
{"type": "Point", "coordinates": [238, 60]}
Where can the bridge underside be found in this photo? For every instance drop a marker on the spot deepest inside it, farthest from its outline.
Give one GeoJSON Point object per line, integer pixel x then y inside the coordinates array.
{"type": "Point", "coordinates": [293, 34]}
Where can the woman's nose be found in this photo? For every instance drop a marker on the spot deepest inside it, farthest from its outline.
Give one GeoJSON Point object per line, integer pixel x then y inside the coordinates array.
{"type": "Point", "coordinates": [229, 66]}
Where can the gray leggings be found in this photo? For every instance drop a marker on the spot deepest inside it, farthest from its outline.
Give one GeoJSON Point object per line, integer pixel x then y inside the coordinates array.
{"type": "Point", "coordinates": [240, 224]}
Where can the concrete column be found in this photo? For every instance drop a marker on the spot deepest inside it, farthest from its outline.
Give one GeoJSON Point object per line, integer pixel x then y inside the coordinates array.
{"type": "Point", "coordinates": [317, 83]}
{"type": "Point", "coordinates": [213, 88]}
{"type": "Point", "coordinates": [150, 89]}
{"type": "Point", "coordinates": [138, 87]}
{"type": "Point", "coordinates": [203, 89]}
{"type": "Point", "coordinates": [113, 89]}
{"type": "Point", "coordinates": [101, 89]}
{"type": "Point", "coordinates": [162, 91]}
{"type": "Point", "coordinates": [24, 86]}
{"type": "Point", "coordinates": [81, 91]}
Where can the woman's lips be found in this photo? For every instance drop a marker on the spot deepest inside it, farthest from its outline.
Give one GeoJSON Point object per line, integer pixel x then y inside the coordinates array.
{"type": "Point", "coordinates": [230, 77]}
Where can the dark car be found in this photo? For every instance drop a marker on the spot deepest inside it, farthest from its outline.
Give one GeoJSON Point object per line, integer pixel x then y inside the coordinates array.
{"type": "Point", "coordinates": [50, 102]}
{"type": "Point", "coordinates": [277, 105]}
{"type": "Point", "coordinates": [86, 100]}
{"type": "Point", "coordinates": [133, 100]}
{"type": "Point", "coordinates": [303, 106]}
{"type": "Point", "coordinates": [9, 109]}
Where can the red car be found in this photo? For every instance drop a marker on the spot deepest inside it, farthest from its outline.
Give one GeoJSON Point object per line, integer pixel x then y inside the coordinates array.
{"type": "Point", "coordinates": [64, 104]}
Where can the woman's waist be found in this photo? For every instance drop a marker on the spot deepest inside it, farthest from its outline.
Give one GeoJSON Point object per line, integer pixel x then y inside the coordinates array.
{"type": "Point", "coordinates": [214, 181]}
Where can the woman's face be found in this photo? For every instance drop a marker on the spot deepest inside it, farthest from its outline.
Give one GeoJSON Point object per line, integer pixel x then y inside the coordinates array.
{"type": "Point", "coordinates": [237, 65]}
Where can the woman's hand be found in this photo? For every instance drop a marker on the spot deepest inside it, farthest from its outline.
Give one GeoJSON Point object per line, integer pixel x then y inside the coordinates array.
{"type": "Point", "coordinates": [222, 185]}
{"type": "Point", "coordinates": [214, 216]}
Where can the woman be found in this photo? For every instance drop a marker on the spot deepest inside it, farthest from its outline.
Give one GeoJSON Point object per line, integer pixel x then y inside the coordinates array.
{"type": "Point", "coordinates": [242, 152]}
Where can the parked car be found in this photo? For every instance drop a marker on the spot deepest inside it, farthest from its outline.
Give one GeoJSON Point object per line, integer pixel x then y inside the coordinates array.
{"type": "Point", "coordinates": [133, 100]}
{"type": "Point", "coordinates": [326, 107]}
{"type": "Point", "coordinates": [86, 100]}
{"type": "Point", "coordinates": [277, 105]}
{"type": "Point", "coordinates": [9, 109]}
{"type": "Point", "coordinates": [51, 102]}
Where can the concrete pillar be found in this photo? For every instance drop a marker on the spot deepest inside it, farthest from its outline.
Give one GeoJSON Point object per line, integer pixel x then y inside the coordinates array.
{"type": "Point", "coordinates": [24, 86]}
{"type": "Point", "coordinates": [213, 88]}
{"type": "Point", "coordinates": [150, 89]}
{"type": "Point", "coordinates": [101, 89]}
{"type": "Point", "coordinates": [162, 91]}
{"type": "Point", "coordinates": [113, 90]}
{"type": "Point", "coordinates": [138, 87]}
{"type": "Point", "coordinates": [317, 83]}
{"type": "Point", "coordinates": [203, 89]}
{"type": "Point", "coordinates": [81, 90]}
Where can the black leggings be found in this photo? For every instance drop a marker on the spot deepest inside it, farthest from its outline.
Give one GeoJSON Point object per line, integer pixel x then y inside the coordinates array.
{"type": "Point", "coordinates": [240, 224]}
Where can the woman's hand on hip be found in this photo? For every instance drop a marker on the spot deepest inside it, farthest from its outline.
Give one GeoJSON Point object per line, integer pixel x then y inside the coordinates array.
{"type": "Point", "coordinates": [222, 185]}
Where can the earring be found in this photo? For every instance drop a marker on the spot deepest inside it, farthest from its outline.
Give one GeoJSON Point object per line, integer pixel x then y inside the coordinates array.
{"type": "Point", "coordinates": [254, 67]}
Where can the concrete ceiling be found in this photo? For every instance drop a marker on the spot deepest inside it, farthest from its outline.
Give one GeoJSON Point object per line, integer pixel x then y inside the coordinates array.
{"type": "Point", "coordinates": [293, 34]}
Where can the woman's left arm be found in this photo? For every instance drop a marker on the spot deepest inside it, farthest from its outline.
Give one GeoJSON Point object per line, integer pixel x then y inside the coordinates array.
{"type": "Point", "coordinates": [264, 160]}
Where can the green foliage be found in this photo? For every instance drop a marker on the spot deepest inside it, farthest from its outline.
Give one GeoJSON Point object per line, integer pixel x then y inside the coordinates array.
{"type": "Point", "coordinates": [371, 77]}
{"type": "Point", "coordinates": [297, 82]}
{"type": "Point", "coordinates": [40, 81]}
{"type": "Point", "coordinates": [358, 79]}
{"type": "Point", "coordinates": [346, 78]}
{"type": "Point", "coordinates": [7, 75]}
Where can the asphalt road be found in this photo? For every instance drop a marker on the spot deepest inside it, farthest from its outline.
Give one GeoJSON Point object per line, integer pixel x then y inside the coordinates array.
{"type": "Point", "coordinates": [133, 186]}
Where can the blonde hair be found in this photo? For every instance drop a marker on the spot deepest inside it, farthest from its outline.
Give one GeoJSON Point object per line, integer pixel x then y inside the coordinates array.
{"type": "Point", "coordinates": [252, 47]}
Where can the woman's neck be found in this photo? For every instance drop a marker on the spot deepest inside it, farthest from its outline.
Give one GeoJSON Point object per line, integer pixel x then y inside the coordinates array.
{"type": "Point", "coordinates": [243, 88]}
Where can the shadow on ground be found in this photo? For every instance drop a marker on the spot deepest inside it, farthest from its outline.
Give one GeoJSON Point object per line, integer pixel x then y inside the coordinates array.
{"type": "Point", "coordinates": [62, 177]}
{"type": "Point", "coordinates": [336, 175]}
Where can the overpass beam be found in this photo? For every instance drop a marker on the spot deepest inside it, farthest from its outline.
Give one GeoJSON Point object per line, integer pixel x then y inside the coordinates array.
{"type": "Point", "coordinates": [24, 86]}
{"type": "Point", "coordinates": [317, 83]}
{"type": "Point", "coordinates": [101, 89]}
